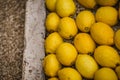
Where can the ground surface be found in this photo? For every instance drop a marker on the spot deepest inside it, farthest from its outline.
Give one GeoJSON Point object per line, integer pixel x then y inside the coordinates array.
{"type": "Point", "coordinates": [12, 18]}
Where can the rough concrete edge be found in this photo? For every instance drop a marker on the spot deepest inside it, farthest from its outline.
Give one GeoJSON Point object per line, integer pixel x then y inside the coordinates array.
{"type": "Point", "coordinates": [34, 40]}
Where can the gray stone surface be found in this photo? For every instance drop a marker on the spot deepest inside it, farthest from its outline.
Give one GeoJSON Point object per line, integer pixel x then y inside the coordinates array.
{"type": "Point", "coordinates": [34, 40]}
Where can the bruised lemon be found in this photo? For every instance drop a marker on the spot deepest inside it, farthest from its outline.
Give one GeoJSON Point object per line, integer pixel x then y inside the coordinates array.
{"type": "Point", "coordinates": [87, 3]}
{"type": "Point", "coordinates": [52, 22]}
{"type": "Point", "coordinates": [86, 65]}
{"type": "Point", "coordinates": [52, 41]}
{"type": "Point", "coordinates": [106, 56]}
{"type": "Point", "coordinates": [51, 65]}
{"type": "Point", "coordinates": [50, 4]}
{"type": "Point", "coordinates": [69, 73]}
{"type": "Point", "coordinates": [84, 22]}
{"type": "Point", "coordinates": [84, 43]}
{"type": "Point", "coordinates": [117, 39]}
{"type": "Point", "coordinates": [67, 28]}
{"type": "Point", "coordinates": [105, 74]}
{"type": "Point", "coordinates": [102, 33]}
{"type": "Point", "coordinates": [107, 14]}
{"type": "Point", "coordinates": [65, 8]}
{"type": "Point", "coordinates": [66, 54]}
{"type": "Point", "coordinates": [107, 2]}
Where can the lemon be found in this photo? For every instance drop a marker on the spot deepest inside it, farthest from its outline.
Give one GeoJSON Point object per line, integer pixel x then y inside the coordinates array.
{"type": "Point", "coordinates": [51, 65]}
{"type": "Point", "coordinates": [107, 56]}
{"type": "Point", "coordinates": [107, 15]}
{"type": "Point", "coordinates": [69, 73]}
{"type": "Point", "coordinates": [107, 2]}
{"type": "Point", "coordinates": [84, 43]}
{"type": "Point", "coordinates": [65, 8]}
{"type": "Point", "coordinates": [119, 11]}
{"type": "Point", "coordinates": [84, 22]}
{"type": "Point", "coordinates": [87, 3]}
{"type": "Point", "coordinates": [52, 22]}
{"type": "Point", "coordinates": [50, 4]}
{"type": "Point", "coordinates": [53, 78]}
{"type": "Point", "coordinates": [117, 39]}
{"type": "Point", "coordinates": [86, 65]}
{"type": "Point", "coordinates": [117, 69]}
{"type": "Point", "coordinates": [102, 33]}
{"type": "Point", "coordinates": [66, 54]}
{"type": "Point", "coordinates": [52, 42]}
{"type": "Point", "coordinates": [105, 74]}
{"type": "Point", "coordinates": [67, 28]}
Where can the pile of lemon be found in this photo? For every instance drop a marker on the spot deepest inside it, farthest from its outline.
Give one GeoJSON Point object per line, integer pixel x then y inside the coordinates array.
{"type": "Point", "coordinates": [84, 46]}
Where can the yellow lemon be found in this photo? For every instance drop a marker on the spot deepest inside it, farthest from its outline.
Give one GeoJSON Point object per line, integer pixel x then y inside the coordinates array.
{"type": "Point", "coordinates": [66, 54]}
{"type": "Point", "coordinates": [52, 22]}
{"type": "Point", "coordinates": [50, 4]}
{"type": "Point", "coordinates": [107, 2]}
{"type": "Point", "coordinates": [102, 33]}
{"type": "Point", "coordinates": [65, 8]}
{"type": "Point", "coordinates": [106, 56]}
{"type": "Point", "coordinates": [84, 43]}
{"type": "Point", "coordinates": [52, 42]}
{"type": "Point", "coordinates": [53, 78]}
{"type": "Point", "coordinates": [69, 73]}
{"type": "Point", "coordinates": [86, 65]}
{"type": "Point", "coordinates": [84, 22]}
{"type": "Point", "coordinates": [117, 69]}
{"type": "Point", "coordinates": [117, 39]}
{"type": "Point", "coordinates": [119, 11]}
{"type": "Point", "coordinates": [87, 3]}
{"type": "Point", "coordinates": [51, 65]}
{"type": "Point", "coordinates": [107, 15]}
{"type": "Point", "coordinates": [67, 28]}
{"type": "Point", "coordinates": [105, 74]}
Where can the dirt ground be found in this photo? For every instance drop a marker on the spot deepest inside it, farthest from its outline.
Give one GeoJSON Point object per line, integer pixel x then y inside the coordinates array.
{"type": "Point", "coordinates": [12, 19]}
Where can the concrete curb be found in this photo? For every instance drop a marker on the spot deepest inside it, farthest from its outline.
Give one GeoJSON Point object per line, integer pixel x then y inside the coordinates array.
{"type": "Point", "coordinates": [34, 40]}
